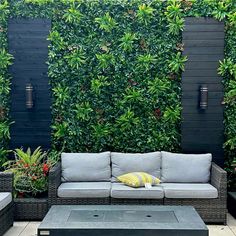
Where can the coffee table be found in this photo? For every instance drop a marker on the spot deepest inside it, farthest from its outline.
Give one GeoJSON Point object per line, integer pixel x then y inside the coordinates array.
{"type": "Point", "coordinates": [122, 220]}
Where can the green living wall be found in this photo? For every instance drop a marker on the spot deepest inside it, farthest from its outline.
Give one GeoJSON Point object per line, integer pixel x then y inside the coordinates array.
{"type": "Point", "coordinates": [5, 61]}
{"type": "Point", "coordinates": [115, 70]}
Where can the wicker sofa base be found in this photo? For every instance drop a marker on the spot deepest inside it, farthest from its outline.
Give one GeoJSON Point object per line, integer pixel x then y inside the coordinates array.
{"type": "Point", "coordinates": [80, 201]}
{"type": "Point", "coordinates": [30, 208]}
{"type": "Point", "coordinates": [210, 210]}
{"type": "Point", "coordinates": [119, 201]}
{"type": "Point", "coordinates": [6, 218]}
{"type": "Point", "coordinates": [213, 216]}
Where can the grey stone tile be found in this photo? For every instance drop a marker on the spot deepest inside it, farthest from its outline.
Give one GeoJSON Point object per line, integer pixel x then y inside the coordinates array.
{"type": "Point", "coordinates": [17, 229]}
{"type": "Point", "coordinates": [220, 230]}
{"type": "Point", "coordinates": [31, 229]}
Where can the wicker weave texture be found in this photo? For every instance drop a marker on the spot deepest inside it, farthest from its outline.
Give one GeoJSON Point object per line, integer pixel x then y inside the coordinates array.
{"type": "Point", "coordinates": [6, 214]}
{"type": "Point", "coordinates": [6, 218]}
{"type": "Point", "coordinates": [6, 182]}
{"type": "Point", "coordinates": [30, 209]}
{"type": "Point", "coordinates": [116, 201]}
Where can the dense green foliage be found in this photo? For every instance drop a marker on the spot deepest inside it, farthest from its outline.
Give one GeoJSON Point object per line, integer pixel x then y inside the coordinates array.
{"type": "Point", "coordinates": [115, 77]}
{"type": "Point", "coordinates": [228, 70]}
{"type": "Point", "coordinates": [115, 70]}
{"type": "Point", "coordinates": [5, 61]}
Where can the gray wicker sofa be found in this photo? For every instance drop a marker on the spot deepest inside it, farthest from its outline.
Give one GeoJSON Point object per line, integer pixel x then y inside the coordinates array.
{"type": "Point", "coordinates": [90, 178]}
{"type": "Point", "coordinates": [6, 202]}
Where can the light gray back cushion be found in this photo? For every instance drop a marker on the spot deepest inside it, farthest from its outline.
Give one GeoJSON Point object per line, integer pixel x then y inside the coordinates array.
{"type": "Point", "coordinates": [185, 168]}
{"type": "Point", "coordinates": [87, 167]}
{"type": "Point", "coordinates": [123, 163]}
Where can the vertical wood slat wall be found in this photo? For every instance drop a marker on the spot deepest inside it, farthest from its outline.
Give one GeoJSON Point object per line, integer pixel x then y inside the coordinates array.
{"type": "Point", "coordinates": [203, 131]}
{"type": "Point", "coordinates": [29, 46]}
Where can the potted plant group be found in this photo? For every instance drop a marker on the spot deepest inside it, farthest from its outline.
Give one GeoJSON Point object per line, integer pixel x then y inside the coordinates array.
{"type": "Point", "coordinates": [30, 183]}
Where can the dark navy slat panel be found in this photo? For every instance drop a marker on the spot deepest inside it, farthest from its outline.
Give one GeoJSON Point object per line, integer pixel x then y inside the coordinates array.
{"type": "Point", "coordinates": [203, 50]}
{"type": "Point", "coordinates": [204, 43]}
{"type": "Point", "coordinates": [192, 72]}
{"type": "Point", "coordinates": [202, 65]}
{"type": "Point", "coordinates": [211, 103]}
{"type": "Point", "coordinates": [203, 79]}
{"type": "Point", "coordinates": [203, 58]}
{"type": "Point", "coordinates": [217, 87]}
{"type": "Point", "coordinates": [203, 131]}
{"type": "Point", "coordinates": [29, 45]}
{"type": "Point", "coordinates": [203, 35]}
{"type": "Point", "coordinates": [202, 21]}
{"type": "Point", "coordinates": [204, 27]}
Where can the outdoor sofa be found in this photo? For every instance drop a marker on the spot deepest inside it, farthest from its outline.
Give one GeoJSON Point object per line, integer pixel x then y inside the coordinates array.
{"type": "Point", "coordinates": [6, 202]}
{"type": "Point", "coordinates": [186, 179]}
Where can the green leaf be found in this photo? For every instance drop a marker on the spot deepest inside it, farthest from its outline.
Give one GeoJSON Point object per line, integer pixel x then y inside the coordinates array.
{"type": "Point", "coordinates": [83, 111]}
{"type": "Point", "coordinates": [145, 13]}
{"type": "Point", "coordinates": [76, 59]}
{"type": "Point", "coordinates": [177, 63]}
{"type": "Point", "coordinates": [72, 15]}
{"type": "Point", "coordinates": [127, 41]}
{"type": "Point", "coordinates": [5, 59]}
{"type": "Point", "coordinates": [105, 60]}
{"type": "Point", "coordinates": [98, 84]}
{"type": "Point", "coordinates": [106, 22]}
{"type": "Point", "coordinates": [227, 66]}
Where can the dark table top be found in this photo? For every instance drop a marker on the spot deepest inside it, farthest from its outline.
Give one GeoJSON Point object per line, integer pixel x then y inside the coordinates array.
{"type": "Point", "coordinates": [122, 217]}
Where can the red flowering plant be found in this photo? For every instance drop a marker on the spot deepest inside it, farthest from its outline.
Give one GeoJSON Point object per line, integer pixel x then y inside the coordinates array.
{"type": "Point", "coordinates": [30, 172]}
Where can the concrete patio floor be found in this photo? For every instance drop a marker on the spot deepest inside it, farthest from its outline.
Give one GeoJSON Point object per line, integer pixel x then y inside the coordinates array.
{"type": "Point", "coordinates": [30, 228]}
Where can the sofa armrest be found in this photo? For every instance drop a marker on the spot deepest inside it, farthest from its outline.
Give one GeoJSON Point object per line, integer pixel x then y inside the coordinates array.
{"type": "Point", "coordinates": [6, 182]}
{"type": "Point", "coordinates": [219, 180]}
{"type": "Point", "coordinates": [54, 181]}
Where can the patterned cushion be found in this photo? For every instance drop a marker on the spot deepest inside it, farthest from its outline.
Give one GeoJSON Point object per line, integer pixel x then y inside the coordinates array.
{"type": "Point", "coordinates": [138, 179]}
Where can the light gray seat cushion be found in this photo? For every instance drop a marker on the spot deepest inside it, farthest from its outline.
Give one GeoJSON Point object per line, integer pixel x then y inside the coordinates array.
{"type": "Point", "coordinates": [84, 190]}
{"type": "Point", "coordinates": [5, 199]}
{"type": "Point", "coordinates": [119, 190]}
{"type": "Point", "coordinates": [185, 168]}
{"type": "Point", "coordinates": [184, 190]}
{"type": "Point", "coordinates": [123, 163]}
{"type": "Point", "coordinates": [77, 167]}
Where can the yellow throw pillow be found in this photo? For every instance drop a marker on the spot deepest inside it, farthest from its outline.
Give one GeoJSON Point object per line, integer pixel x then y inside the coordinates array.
{"type": "Point", "coordinates": [138, 179]}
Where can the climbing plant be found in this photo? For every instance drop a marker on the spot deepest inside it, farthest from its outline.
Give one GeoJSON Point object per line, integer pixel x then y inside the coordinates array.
{"type": "Point", "coordinates": [115, 70]}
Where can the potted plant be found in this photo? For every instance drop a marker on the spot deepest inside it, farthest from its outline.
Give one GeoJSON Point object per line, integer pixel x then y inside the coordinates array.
{"type": "Point", "coordinates": [30, 183]}
{"type": "Point", "coordinates": [231, 169]}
